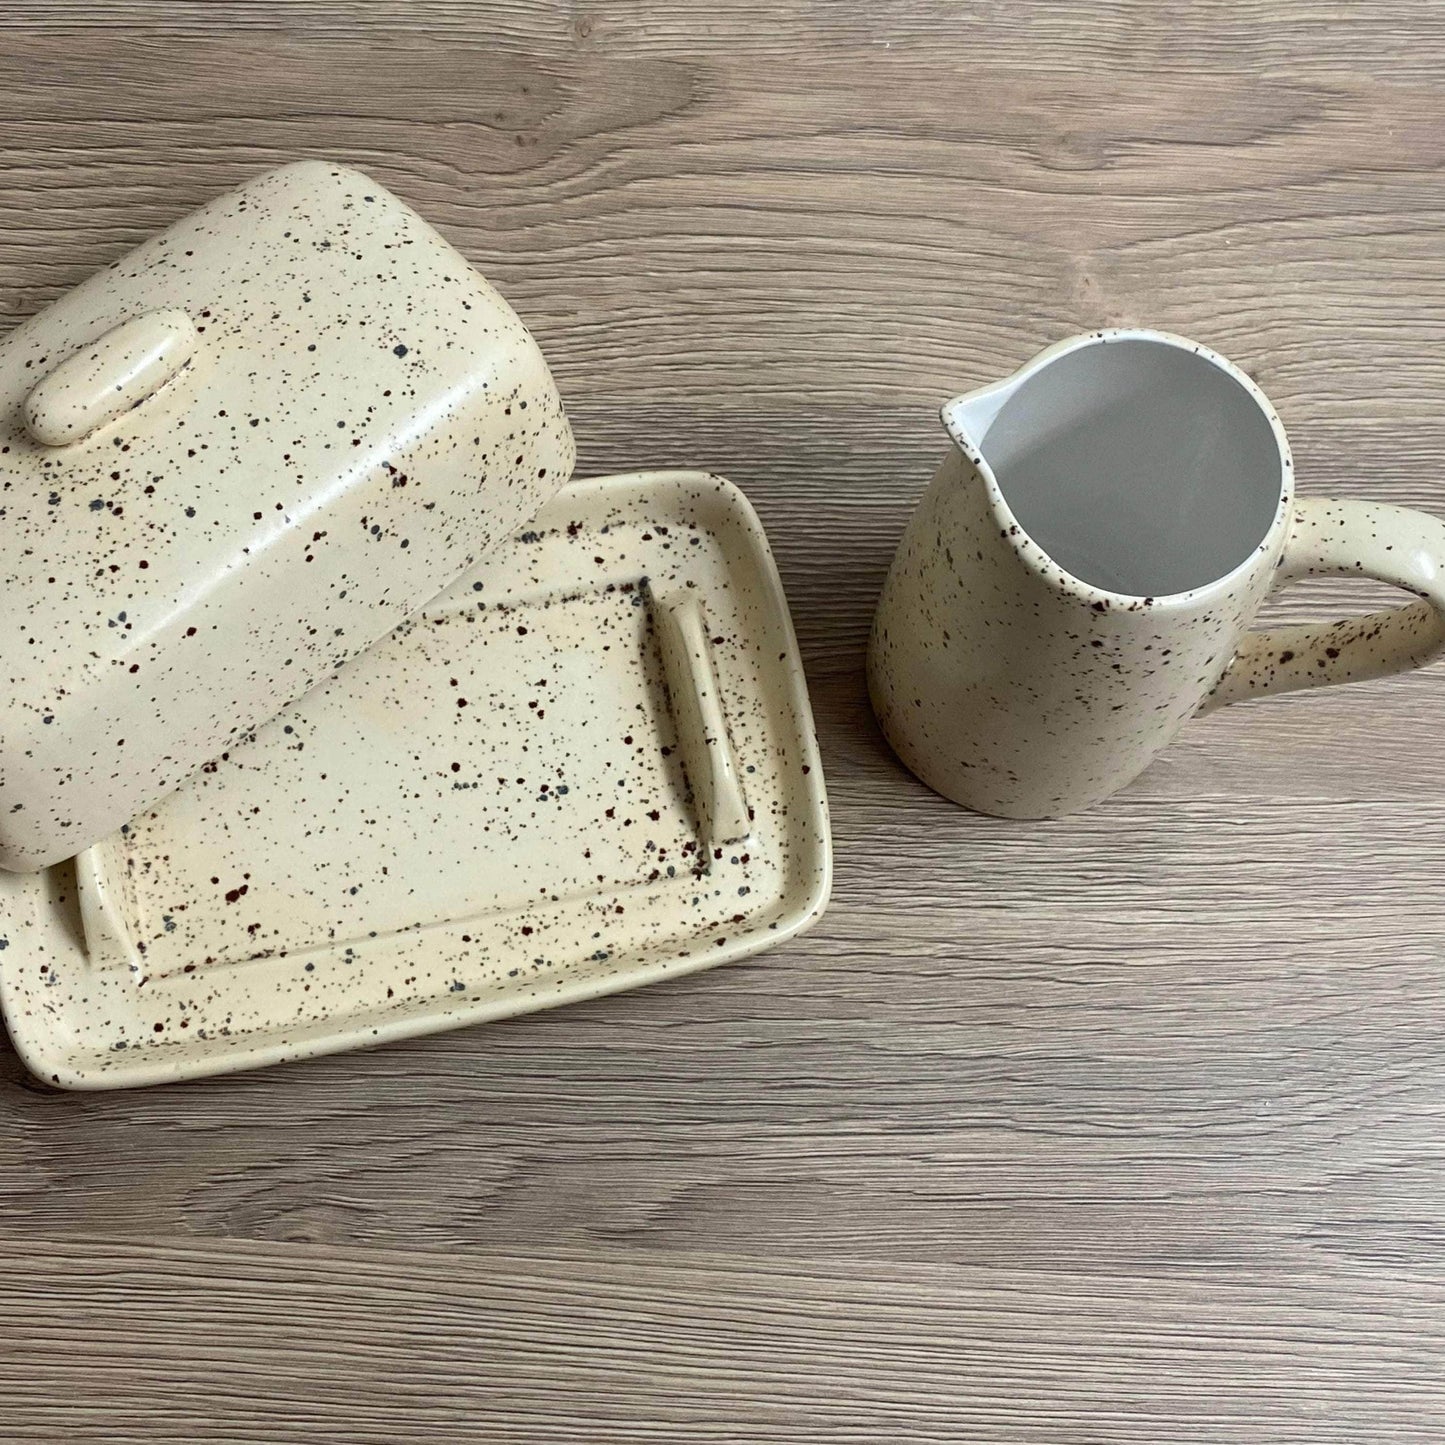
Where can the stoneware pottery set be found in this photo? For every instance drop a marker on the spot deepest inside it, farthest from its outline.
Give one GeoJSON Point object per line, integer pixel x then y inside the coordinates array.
{"type": "Point", "coordinates": [336, 712]}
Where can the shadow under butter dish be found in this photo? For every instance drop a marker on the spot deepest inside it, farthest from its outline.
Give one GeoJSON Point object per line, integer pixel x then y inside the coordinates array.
{"type": "Point", "coordinates": [588, 764]}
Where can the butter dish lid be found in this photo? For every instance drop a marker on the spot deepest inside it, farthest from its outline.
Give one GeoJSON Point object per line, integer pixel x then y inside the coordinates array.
{"type": "Point", "coordinates": [228, 464]}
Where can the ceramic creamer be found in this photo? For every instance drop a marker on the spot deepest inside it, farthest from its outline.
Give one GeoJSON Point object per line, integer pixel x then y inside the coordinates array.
{"type": "Point", "coordinates": [229, 463]}
{"type": "Point", "coordinates": [1081, 575]}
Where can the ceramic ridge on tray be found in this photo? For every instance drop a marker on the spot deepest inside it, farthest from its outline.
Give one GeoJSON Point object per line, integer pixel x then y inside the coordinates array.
{"type": "Point", "coordinates": [587, 765]}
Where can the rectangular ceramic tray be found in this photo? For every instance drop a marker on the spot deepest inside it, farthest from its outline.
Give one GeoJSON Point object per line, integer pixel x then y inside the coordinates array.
{"type": "Point", "coordinates": [588, 765]}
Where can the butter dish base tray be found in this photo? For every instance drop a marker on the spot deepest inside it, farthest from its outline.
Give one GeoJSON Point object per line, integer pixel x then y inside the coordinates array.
{"type": "Point", "coordinates": [589, 764]}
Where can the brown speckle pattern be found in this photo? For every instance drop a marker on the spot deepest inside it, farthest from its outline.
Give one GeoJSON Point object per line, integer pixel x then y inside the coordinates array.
{"type": "Point", "coordinates": [1010, 686]}
{"type": "Point", "coordinates": [376, 862]}
{"type": "Point", "coordinates": [360, 417]}
{"type": "Point", "coordinates": [1344, 537]}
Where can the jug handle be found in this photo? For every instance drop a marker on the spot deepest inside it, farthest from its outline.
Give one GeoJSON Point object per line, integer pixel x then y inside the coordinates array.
{"type": "Point", "coordinates": [1341, 537]}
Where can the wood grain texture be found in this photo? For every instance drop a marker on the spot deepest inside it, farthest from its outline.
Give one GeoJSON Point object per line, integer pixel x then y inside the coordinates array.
{"type": "Point", "coordinates": [602, 1348]}
{"type": "Point", "coordinates": [1122, 1128]}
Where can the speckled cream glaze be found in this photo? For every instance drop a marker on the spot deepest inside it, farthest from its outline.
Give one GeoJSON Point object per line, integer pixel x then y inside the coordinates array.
{"type": "Point", "coordinates": [1012, 687]}
{"type": "Point", "coordinates": [353, 416]}
{"type": "Point", "coordinates": [523, 797]}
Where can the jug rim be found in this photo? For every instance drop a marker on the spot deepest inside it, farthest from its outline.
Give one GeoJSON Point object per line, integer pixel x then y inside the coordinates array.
{"type": "Point", "coordinates": [1036, 557]}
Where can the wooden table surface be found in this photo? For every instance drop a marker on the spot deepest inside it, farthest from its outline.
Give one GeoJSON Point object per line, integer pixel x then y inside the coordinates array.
{"type": "Point", "coordinates": [1121, 1128]}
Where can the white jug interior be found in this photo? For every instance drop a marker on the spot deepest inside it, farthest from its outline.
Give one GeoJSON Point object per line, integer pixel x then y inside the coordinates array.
{"type": "Point", "coordinates": [1138, 466]}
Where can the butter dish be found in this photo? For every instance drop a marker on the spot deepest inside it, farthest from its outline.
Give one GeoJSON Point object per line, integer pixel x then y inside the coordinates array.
{"type": "Point", "coordinates": [587, 764]}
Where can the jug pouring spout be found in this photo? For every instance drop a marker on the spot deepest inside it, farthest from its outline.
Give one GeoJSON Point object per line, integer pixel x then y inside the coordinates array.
{"type": "Point", "coordinates": [967, 418]}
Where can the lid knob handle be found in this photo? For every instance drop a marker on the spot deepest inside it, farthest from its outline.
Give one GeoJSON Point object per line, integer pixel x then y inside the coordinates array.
{"type": "Point", "coordinates": [107, 377]}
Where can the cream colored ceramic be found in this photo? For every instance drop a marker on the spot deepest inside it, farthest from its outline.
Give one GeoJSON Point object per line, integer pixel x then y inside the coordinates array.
{"type": "Point", "coordinates": [1081, 575]}
{"type": "Point", "coordinates": [231, 462]}
{"type": "Point", "coordinates": [589, 764]}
